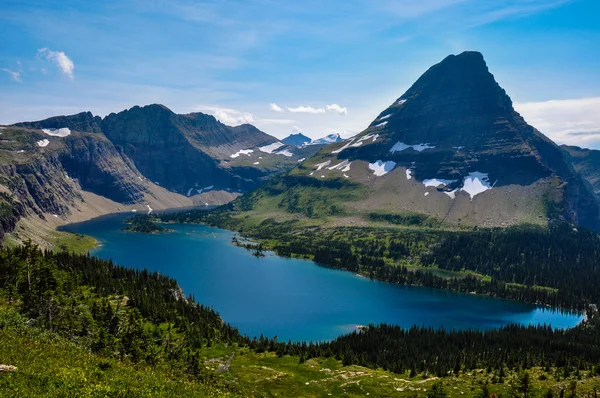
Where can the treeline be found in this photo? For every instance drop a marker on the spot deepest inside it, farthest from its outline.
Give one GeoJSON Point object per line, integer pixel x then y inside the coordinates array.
{"type": "Point", "coordinates": [441, 353]}
{"type": "Point", "coordinates": [561, 257]}
{"type": "Point", "coordinates": [144, 224]}
{"type": "Point", "coordinates": [133, 315]}
{"type": "Point", "coordinates": [557, 266]}
{"type": "Point", "coordinates": [143, 317]}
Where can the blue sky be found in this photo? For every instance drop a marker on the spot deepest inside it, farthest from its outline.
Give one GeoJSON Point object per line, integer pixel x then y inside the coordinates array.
{"type": "Point", "coordinates": [313, 66]}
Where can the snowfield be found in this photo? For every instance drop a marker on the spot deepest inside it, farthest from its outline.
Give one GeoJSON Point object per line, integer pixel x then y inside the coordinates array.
{"type": "Point", "coordinates": [436, 182]}
{"type": "Point", "coordinates": [43, 143]}
{"type": "Point", "coordinates": [62, 132]}
{"type": "Point", "coordinates": [242, 152]}
{"type": "Point", "coordinates": [381, 168]}
{"type": "Point", "coordinates": [476, 183]}
{"type": "Point", "coordinates": [271, 147]}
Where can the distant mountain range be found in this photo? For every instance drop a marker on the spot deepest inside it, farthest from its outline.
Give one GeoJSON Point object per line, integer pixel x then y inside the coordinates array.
{"type": "Point", "coordinates": [145, 156]}
{"type": "Point", "coordinates": [451, 149]}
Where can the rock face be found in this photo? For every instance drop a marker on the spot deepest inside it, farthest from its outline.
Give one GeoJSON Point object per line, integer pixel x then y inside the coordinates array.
{"type": "Point", "coordinates": [453, 147]}
{"type": "Point", "coordinates": [586, 162]}
{"type": "Point", "coordinates": [45, 165]}
{"type": "Point", "coordinates": [298, 139]}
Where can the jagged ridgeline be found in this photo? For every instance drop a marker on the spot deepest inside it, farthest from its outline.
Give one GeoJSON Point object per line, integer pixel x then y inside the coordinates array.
{"type": "Point", "coordinates": [149, 156]}
{"type": "Point", "coordinates": [452, 148]}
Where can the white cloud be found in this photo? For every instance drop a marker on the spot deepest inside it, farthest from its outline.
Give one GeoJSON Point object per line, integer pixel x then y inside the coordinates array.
{"type": "Point", "coordinates": [315, 111]}
{"type": "Point", "coordinates": [64, 63]}
{"type": "Point", "coordinates": [15, 75]}
{"type": "Point", "coordinates": [337, 108]}
{"type": "Point", "coordinates": [305, 109]}
{"type": "Point", "coordinates": [276, 108]}
{"type": "Point", "coordinates": [233, 117]}
{"type": "Point", "coordinates": [571, 121]}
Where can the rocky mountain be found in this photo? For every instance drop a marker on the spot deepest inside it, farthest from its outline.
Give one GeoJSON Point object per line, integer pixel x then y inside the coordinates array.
{"type": "Point", "coordinates": [451, 148]}
{"type": "Point", "coordinates": [297, 139]}
{"type": "Point", "coordinates": [73, 167]}
{"type": "Point", "coordinates": [328, 139]}
{"type": "Point", "coordinates": [586, 162]}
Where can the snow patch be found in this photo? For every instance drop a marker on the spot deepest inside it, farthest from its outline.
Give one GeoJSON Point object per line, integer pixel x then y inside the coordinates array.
{"type": "Point", "coordinates": [476, 183]}
{"type": "Point", "coordinates": [400, 146]}
{"type": "Point", "coordinates": [43, 143]}
{"type": "Point", "coordinates": [344, 147]}
{"type": "Point", "coordinates": [321, 165]}
{"type": "Point", "coordinates": [385, 117]}
{"type": "Point", "coordinates": [301, 160]}
{"type": "Point", "coordinates": [208, 188]}
{"type": "Point", "coordinates": [339, 165]}
{"type": "Point", "coordinates": [400, 101]}
{"type": "Point", "coordinates": [242, 152]}
{"type": "Point", "coordinates": [149, 209]}
{"type": "Point", "coordinates": [381, 168]}
{"type": "Point", "coordinates": [346, 176]}
{"type": "Point", "coordinates": [452, 193]}
{"type": "Point", "coordinates": [271, 147]}
{"type": "Point", "coordinates": [256, 163]}
{"type": "Point", "coordinates": [436, 182]}
{"type": "Point", "coordinates": [285, 152]}
{"type": "Point", "coordinates": [62, 132]}
{"type": "Point", "coordinates": [189, 192]}
{"type": "Point", "coordinates": [381, 124]}
{"type": "Point", "coordinates": [426, 193]}
{"type": "Point", "coordinates": [133, 211]}
{"type": "Point", "coordinates": [347, 168]}
{"type": "Point", "coordinates": [408, 174]}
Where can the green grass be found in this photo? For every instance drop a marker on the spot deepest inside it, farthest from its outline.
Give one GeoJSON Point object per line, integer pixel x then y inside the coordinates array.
{"type": "Point", "coordinates": [75, 243]}
{"type": "Point", "coordinates": [48, 366]}
{"type": "Point", "coordinates": [265, 374]}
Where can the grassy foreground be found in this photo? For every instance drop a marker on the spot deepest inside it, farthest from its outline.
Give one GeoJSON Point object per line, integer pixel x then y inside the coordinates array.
{"type": "Point", "coordinates": [50, 366]}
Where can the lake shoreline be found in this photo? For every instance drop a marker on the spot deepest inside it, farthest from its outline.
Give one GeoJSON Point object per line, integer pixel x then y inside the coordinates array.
{"type": "Point", "coordinates": [202, 233]}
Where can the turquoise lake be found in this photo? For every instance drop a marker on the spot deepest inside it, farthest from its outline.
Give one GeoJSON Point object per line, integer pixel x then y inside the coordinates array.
{"type": "Point", "coordinates": [296, 299]}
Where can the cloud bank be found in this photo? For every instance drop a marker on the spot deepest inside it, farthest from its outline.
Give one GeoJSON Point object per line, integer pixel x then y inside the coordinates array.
{"type": "Point", "coordinates": [571, 121]}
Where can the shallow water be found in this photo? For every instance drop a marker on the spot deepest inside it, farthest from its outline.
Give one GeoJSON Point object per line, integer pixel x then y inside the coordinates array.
{"type": "Point", "coordinates": [296, 299]}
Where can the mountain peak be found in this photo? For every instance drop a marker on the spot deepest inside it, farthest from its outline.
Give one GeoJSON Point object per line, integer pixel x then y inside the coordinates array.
{"type": "Point", "coordinates": [297, 139]}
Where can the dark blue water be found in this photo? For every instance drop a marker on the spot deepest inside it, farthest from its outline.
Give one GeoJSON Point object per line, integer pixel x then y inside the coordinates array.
{"type": "Point", "coordinates": [296, 299]}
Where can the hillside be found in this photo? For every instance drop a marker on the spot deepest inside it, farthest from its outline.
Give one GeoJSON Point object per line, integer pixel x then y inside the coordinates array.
{"type": "Point", "coordinates": [71, 168]}
{"type": "Point", "coordinates": [451, 149]}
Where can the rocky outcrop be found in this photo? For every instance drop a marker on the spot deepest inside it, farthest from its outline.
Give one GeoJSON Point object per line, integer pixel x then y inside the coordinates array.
{"type": "Point", "coordinates": [99, 168]}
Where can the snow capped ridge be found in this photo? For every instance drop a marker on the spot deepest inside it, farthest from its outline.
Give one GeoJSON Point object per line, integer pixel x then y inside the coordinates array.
{"type": "Point", "coordinates": [328, 139]}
